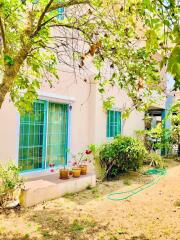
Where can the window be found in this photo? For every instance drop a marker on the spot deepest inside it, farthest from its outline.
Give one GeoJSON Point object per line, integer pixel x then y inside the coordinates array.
{"type": "Point", "coordinates": [113, 123]}
{"type": "Point", "coordinates": [61, 13]}
{"type": "Point", "coordinates": [43, 136]}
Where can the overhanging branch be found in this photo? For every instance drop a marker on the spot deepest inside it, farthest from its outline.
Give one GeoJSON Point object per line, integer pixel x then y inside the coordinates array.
{"type": "Point", "coordinates": [67, 4]}
{"type": "Point", "coordinates": [42, 17]}
{"type": "Point", "coordinates": [3, 33]}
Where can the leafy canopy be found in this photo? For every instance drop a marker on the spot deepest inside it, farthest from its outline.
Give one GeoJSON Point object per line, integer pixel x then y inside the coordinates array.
{"type": "Point", "coordinates": [123, 38]}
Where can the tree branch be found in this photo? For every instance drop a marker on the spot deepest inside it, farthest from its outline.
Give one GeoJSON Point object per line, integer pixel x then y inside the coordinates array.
{"type": "Point", "coordinates": [50, 8]}
{"type": "Point", "coordinates": [71, 27]}
{"type": "Point", "coordinates": [42, 17]}
{"type": "Point", "coordinates": [2, 33]}
{"type": "Point", "coordinates": [68, 4]}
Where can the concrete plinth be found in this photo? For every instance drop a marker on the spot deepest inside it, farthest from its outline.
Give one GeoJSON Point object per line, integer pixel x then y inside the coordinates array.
{"type": "Point", "coordinates": [50, 187]}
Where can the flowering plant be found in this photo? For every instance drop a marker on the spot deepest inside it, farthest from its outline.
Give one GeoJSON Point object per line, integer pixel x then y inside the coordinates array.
{"type": "Point", "coordinates": [82, 158]}
{"type": "Point", "coordinates": [51, 165]}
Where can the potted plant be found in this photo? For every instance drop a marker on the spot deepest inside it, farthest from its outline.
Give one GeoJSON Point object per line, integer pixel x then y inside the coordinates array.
{"type": "Point", "coordinates": [84, 162]}
{"type": "Point", "coordinates": [81, 161]}
{"type": "Point", "coordinates": [76, 172]}
{"type": "Point", "coordinates": [70, 172]}
{"type": "Point", "coordinates": [64, 173]}
{"type": "Point", "coordinates": [52, 165]}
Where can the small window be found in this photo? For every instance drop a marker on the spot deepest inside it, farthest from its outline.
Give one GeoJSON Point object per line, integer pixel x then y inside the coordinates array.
{"type": "Point", "coordinates": [61, 13]}
{"type": "Point", "coordinates": [113, 123]}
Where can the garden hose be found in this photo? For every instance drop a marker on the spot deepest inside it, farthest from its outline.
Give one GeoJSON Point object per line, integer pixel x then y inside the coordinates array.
{"type": "Point", "coordinates": [160, 172]}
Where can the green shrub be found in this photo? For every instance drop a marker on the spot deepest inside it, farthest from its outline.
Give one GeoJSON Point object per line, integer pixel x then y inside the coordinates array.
{"type": "Point", "coordinates": [155, 160]}
{"type": "Point", "coordinates": [121, 155]}
{"type": "Point", "coordinates": [99, 168]}
{"type": "Point", "coordinates": [9, 182]}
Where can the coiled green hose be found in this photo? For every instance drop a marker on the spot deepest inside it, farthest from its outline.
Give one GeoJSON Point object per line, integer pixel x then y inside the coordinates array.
{"type": "Point", "coordinates": [160, 172]}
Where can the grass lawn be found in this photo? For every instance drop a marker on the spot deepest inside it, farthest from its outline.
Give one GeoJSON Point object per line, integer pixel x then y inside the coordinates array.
{"type": "Point", "coordinates": [152, 214]}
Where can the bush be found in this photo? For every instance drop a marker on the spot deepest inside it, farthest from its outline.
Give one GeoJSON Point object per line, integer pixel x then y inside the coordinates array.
{"type": "Point", "coordinates": [121, 155]}
{"type": "Point", "coordinates": [99, 168]}
{"type": "Point", "coordinates": [155, 160]}
{"type": "Point", "coordinates": [9, 182]}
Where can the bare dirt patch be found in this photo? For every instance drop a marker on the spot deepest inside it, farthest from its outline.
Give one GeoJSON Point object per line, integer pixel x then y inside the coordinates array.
{"type": "Point", "coordinates": [153, 214]}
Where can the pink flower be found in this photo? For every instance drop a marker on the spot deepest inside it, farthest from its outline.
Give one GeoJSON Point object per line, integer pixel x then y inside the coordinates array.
{"type": "Point", "coordinates": [88, 152]}
{"type": "Point", "coordinates": [52, 170]}
{"type": "Point", "coordinates": [51, 165]}
{"type": "Point", "coordinates": [74, 163]}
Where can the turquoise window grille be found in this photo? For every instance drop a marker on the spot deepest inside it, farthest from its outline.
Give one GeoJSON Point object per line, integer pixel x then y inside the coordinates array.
{"type": "Point", "coordinates": [61, 13]}
{"type": "Point", "coordinates": [43, 136]}
{"type": "Point", "coordinates": [113, 123]}
{"type": "Point", "coordinates": [57, 133]}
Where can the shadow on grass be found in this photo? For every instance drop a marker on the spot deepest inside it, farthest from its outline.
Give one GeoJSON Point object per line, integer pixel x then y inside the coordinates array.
{"type": "Point", "coordinates": [61, 225]}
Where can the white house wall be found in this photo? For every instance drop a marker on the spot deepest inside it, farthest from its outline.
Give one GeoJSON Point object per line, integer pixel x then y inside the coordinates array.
{"type": "Point", "coordinates": [9, 132]}
{"type": "Point", "coordinates": [88, 119]}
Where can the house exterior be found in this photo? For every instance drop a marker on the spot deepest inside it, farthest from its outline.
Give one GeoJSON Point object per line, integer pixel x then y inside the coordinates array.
{"type": "Point", "coordinates": [65, 120]}
{"type": "Point", "coordinates": [68, 116]}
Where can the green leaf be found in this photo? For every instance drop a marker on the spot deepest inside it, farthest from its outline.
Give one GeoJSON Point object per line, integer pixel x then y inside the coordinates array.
{"type": "Point", "coordinates": [8, 59]}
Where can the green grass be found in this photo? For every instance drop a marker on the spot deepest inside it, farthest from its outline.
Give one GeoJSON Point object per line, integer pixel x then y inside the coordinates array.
{"type": "Point", "coordinates": [76, 226]}
{"type": "Point", "coordinates": [95, 192]}
{"type": "Point", "coordinates": [82, 224]}
{"type": "Point", "coordinates": [26, 236]}
{"type": "Point", "coordinates": [127, 182]}
{"type": "Point", "coordinates": [70, 195]}
{"type": "Point", "coordinates": [89, 187]}
{"type": "Point", "coordinates": [177, 203]}
{"type": "Point", "coordinates": [46, 233]}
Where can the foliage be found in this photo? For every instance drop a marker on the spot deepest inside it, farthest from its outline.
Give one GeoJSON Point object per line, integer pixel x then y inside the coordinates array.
{"type": "Point", "coordinates": [160, 137]}
{"type": "Point", "coordinates": [121, 155]}
{"type": "Point", "coordinates": [163, 33]}
{"type": "Point", "coordinates": [82, 158]}
{"type": "Point", "coordinates": [157, 138]}
{"type": "Point", "coordinates": [112, 33]}
{"type": "Point", "coordinates": [174, 116]}
{"type": "Point", "coordinates": [155, 160]}
{"type": "Point", "coordinates": [9, 181]}
{"type": "Point", "coordinates": [99, 168]}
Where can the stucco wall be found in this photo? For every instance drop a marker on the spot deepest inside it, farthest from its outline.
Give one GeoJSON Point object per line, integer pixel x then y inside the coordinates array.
{"type": "Point", "coordinates": [129, 126]}
{"type": "Point", "coordinates": [9, 132]}
{"type": "Point", "coordinates": [88, 119]}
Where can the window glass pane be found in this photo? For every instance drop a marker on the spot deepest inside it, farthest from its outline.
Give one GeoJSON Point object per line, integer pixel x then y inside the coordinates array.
{"type": "Point", "coordinates": [32, 139]}
{"type": "Point", "coordinates": [43, 138]}
{"type": "Point", "coordinates": [113, 123]}
{"type": "Point", "coordinates": [61, 12]}
{"type": "Point", "coordinates": [57, 134]}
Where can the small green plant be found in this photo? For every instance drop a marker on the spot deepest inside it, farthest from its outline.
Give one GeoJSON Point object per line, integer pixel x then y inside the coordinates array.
{"type": "Point", "coordinates": [26, 236]}
{"type": "Point", "coordinates": [99, 168]}
{"type": "Point", "coordinates": [177, 203]}
{"type": "Point", "coordinates": [10, 180]}
{"type": "Point", "coordinates": [89, 187]}
{"type": "Point", "coordinates": [45, 233]}
{"type": "Point", "coordinates": [76, 226]}
{"type": "Point", "coordinates": [127, 182]}
{"type": "Point", "coordinates": [95, 192]}
{"type": "Point", "coordinates": [155, 160]}
{"type": "Point", "coordinates": [69, 195]}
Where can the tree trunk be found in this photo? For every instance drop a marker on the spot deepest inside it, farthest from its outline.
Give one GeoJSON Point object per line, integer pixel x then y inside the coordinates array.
{"type": "Point", "coordinates": [3, 92]}
{"type": "Point", "coordinates": [5, 87]}
{"type": "Point", "coordinates": [11, 72]}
